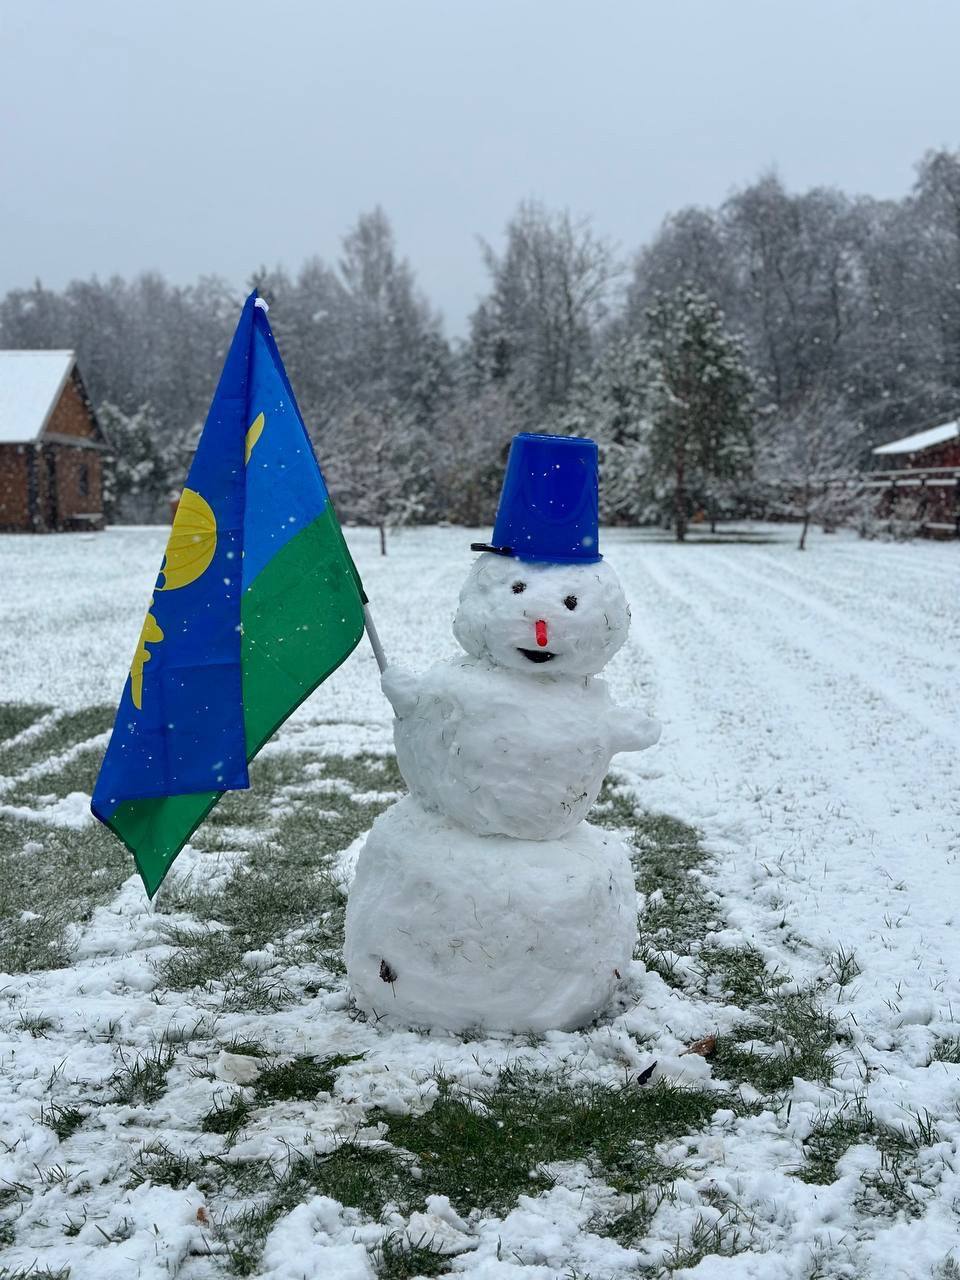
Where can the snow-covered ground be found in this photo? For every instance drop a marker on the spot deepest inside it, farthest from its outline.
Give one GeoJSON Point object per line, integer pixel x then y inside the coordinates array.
{"type": "Point", "coordinates": [811, 732]}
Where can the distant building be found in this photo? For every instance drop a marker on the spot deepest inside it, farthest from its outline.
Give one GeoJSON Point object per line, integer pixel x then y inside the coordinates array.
{"type": "Point", "coordinates": [51, 445]}
{"type": "Point", "coordinates": [920, 477]}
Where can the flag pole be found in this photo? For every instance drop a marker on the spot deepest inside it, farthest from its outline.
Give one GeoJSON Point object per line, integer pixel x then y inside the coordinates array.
{"type": "Point", "coordinates": [371, 629]}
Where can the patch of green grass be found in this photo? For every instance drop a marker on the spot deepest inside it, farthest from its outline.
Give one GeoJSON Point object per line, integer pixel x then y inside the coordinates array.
{"type": "Point", "coordinates": [144, 1079]}
{"type": "Point", "coordinates": [303, 1078]}
{"type": "Point", "coordinates": [843, 966]}
{"type": "Point", "coordinates": [246, 992]}
{"type": "Point", "coordinates": [679, 914]}
{"type": "Point", "coordinates": [227, 1118]}
{"type": "Point", "coordinates": [205, 955]}
{"type": "Point", "coordinates": [60, 735]}
{"type": "Point", "coordinates": [64, 1121]}
{"type": "Point", "coordinates": [365, 1178]}
{"type": "Point", "coordinates": [891, 1190]}
{"type": "Point", "coordinates": [59, 882]}
{"type": "Point", "coordinates": [159, 1164]}
{"type": "Point", "coordinates": [34, 1272]}
{"type": "Point", "coordinates": [213, 959]}
{"type": "Point", "coordinates": [14, 718]}
{"type": "Point", "coordinates": [360, 1177]}
{"type": "Point", "coordinates": [38, 1024]}
{"type": "Point", "coordinates": [722, 1237]}
{"type": "Point", "coordinates": [10, 1192]}
{"type": "Point", "coordinates": [832, 1136]}
{"type": "Point", "coordinates": [244, 1234]}
{"type": "Point", "coordinates": [79, 773]}
{"type": "Point", "coordinates": [274, 894]}
{"type": "Point", "coordinates": [289, 785]}
{"type": "Point", "coordinates": [283, 894]}
{"type": "Point", "coordinates": [740, 972]}
{"type": "Point", "coordinates": [397, 1258]}
{"type": "Point", "coordinates": [484, 1149]}
{"type": "Point", "coordinates": [946, 1050]}
{"type": "Point", "coordinates": [665, 853]}
{"type": "Point", "coordinates": [249, 1048]}
{"type": "Point", "coordinates": [899, 1186]}
{"type": "Point", "coordinates": [803, 1033]}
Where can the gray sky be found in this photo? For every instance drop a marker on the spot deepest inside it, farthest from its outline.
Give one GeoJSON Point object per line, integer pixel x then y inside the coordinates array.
{"type": "Point", "coordinates": [215, 135]}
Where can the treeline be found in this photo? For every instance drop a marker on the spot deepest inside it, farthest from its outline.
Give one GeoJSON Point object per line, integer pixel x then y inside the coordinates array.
{"type": "Point", "coordinates": [739, 362]}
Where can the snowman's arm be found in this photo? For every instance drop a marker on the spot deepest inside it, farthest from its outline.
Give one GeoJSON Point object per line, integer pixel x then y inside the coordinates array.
{"type": "Point", "coordinates": [632, 731]}
{"type": "Point", "coordinates": [402, 688]}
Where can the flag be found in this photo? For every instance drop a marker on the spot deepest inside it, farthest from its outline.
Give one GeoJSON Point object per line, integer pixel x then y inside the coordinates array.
{"type": "Point", "coordinates": [256, 603]}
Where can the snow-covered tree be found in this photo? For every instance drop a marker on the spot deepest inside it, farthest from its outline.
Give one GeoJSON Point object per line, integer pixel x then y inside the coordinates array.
{"type": "Point", "coordinates": [700, 400]}
{"type": "Point", "coordinates": [468, 449]}
{"type": "Point", "coordinates": [359, 332]}
{"type": "Point", "coordinates": [549, 291]}
{"type": "Point", "coordinates": [373, 461]}
{"type": "Point", "coordinates": [610, 403]}
{"type": "Point", "coordinates": [138, 479]}
{"type": "Point", "coordinates": [394, 334]}
{"type": "Point", "coordinates": [809, 463]}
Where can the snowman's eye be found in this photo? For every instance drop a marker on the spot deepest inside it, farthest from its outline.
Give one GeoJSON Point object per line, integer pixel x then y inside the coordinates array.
{"type": "Point", "coordinates": [570, 601]}
{"type": "Point", "coordinates": [518, 587]}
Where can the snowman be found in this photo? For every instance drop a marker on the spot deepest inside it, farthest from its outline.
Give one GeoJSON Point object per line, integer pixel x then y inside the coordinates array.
{"type": "Point", "coordinates": [483, 900]}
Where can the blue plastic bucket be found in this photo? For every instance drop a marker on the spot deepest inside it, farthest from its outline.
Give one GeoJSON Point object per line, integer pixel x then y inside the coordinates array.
{"type": "Point", "coordinates": [549, 504]}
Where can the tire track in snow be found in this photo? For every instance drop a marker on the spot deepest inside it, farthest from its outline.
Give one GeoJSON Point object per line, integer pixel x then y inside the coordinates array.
{"type": "Point", "coordinates": [851, 842]}
{"type": "Point", "coordinates": [657, 639]}
{"type": "Point", "coordinates": [739, 668]}
{"type": "Point", "coordinates": [779, 807]}
{"type": "Point", "coordinates": [907, 557]}
{"type": "Point", "coordinates": [898, 843]}
{"type": "Point", "coordinates": [838, 605]}
{"type": "Point", "coordinates": [817, 649]}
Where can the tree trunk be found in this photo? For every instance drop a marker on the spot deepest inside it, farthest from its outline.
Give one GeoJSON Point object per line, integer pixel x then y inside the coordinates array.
{"type": "Point", "coordinates": [801, 546]}
{"type": "Point", "coordinates": [680, 497]}
{"type": "Point", "coordinates": [383, 539]}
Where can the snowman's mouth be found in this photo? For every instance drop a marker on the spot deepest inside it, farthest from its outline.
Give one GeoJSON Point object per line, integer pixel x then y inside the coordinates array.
{"type": "Point", "coordinates": [537, 655]}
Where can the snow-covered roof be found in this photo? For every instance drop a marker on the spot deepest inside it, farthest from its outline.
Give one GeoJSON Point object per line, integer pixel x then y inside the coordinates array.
{"type": "Point", "coordinates": [922, 439]}
{"type": "Point", "coordinates": [30, 386]}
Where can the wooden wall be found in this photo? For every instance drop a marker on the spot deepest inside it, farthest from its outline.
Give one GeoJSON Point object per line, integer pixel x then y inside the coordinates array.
{"type": "Point", "coordinates": [14, 485]}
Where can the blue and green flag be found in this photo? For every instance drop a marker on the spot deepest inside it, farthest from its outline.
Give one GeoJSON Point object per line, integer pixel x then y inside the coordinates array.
{"type": "Point", "coordinates": [256, 603]}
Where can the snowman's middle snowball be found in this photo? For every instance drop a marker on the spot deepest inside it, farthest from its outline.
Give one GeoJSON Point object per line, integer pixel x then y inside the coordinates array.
{"type": "Point", "coordinates": [450, 929]}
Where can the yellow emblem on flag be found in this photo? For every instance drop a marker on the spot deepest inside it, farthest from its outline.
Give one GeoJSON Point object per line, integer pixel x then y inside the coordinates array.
{"type": "Point", "coordinates": [193, 541]}
{"type": "Point", "coordinates": [150, 633]}
{"type": "Point", "coordinates": [253, 435]}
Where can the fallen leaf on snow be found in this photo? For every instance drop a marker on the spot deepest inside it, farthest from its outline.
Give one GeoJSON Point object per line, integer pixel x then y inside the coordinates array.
{"type": "Point", "coordinates": [706, 1047]}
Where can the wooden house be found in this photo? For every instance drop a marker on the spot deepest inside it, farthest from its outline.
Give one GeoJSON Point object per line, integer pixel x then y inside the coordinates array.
{"type": "Point", "coordinates": [920, 478]}
{"type": "Point", "coordinates": [51, 445]}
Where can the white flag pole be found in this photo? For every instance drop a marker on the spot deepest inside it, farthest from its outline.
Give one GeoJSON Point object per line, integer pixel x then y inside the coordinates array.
{"type": "Point", "coordinates": [371, 629]}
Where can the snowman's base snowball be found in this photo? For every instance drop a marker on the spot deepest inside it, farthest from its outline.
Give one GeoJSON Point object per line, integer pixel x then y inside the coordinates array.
{"type": "Point", "coordinates": [449, 930]}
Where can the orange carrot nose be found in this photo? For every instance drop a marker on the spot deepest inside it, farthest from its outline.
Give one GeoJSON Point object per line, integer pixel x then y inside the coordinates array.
{"type": "Point", "coordinates": [541, 629]}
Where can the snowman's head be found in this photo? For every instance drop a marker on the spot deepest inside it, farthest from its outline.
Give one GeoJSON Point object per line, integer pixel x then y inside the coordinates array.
{"type": "Point", "coordinates": [551, 619]}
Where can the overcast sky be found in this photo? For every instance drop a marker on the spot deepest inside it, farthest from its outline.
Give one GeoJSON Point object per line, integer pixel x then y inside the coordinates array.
{"type": "Point", "coordinates": [197, 136]}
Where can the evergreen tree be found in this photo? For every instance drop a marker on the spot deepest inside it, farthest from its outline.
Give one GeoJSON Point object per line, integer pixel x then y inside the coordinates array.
{"type": "Point", "coordinates": [138, 479]}
{"type": "Point", "coordinates": [700, 400]}
{"type": "Point", "coordinates": [610, 403]}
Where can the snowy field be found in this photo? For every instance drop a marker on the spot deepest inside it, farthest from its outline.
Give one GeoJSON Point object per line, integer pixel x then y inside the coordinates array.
{"type": "Point", "coordinates": [188, 1092]}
